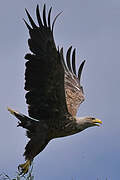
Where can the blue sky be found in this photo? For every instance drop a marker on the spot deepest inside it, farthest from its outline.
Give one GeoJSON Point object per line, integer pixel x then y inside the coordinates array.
{"type": "Point", "coordinates": [93, 27]}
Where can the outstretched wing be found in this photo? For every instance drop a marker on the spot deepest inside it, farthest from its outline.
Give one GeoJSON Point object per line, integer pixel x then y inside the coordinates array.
{"type": "Point", "coordinates": [44, 76]}
{"type": "Point", "coordinates": [73, 89]}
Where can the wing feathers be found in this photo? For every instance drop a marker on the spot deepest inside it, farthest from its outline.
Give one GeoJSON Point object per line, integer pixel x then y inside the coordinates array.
{"type": "Point", "coordinates": [73, 88]}
{"type": "Point", "coordinates": [72, 68]}
{"type": "Point", "coordinates": [31, 20]}
{"type": "Point", "coordinates": [44, 75]}
{"type": "Point", "coordinates": [44, 23]}
{"type": "Point", "coordinates": [27, 24]}
{"type": "Point", "coordinates": [63, 61]}
{"type": "Point", "coordinates": [55, 20]}
{"type": "Point", "coordinates": [49, 15]}
{"type": "Point", "coordinates": [80, 70]}
{"type": "Point", "coordinates": [73, 61]}
{"type": "Point", "coordinates": [68, 59]}
{"type": "Point", "coordinates": [38, 16]}
{"type": "Point", "coordinates": [41, 24]}
{"type": "Point", "coordinates": [44, 16]}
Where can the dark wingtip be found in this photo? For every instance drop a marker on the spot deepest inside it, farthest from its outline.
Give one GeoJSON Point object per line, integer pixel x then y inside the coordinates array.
{"type": "Point", "coordinates": [80, 70]}
{"type": "Point", "coordinates": [61, 55]}
{"type": "Point", "coordinates": [68, 58]}
{"type": "Point", "coordinates": [73, 61]}
{"type": "Point", "coordinates": [61, 51]}
{"type": "Point", "coordinates": [70, 48]}
{"type": "Point", "coordinates": [27, 24]}
{"type": "Point", "coordinates": [44, 15]}
{"type": "Point", "coordinates": [30, 19]}
{"type": "Point", "coordinates": [38, 16]}
{"type": "Point", "coordinates": [62, 60]}
{"type": "Point", "coordinates": [49, 15]}
{"type": "Point", "coordinates": [55, 20]}
{"type": "Point", "coordinates": [37, 6]}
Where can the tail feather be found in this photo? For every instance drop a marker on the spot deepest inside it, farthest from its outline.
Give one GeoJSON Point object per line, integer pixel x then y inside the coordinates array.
{"type": "Point", "coordinates": [25, 121]}
{"type": "Point", "coordinates": [37, 132]}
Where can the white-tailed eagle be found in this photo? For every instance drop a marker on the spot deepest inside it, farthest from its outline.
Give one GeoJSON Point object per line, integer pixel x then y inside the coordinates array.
{"type": "Point", "coordinates": [53, 87]}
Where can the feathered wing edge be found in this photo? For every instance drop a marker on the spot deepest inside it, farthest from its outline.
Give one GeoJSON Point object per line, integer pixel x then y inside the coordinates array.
{"type": "Point", "coordinates": [69, 67]}
{"type": "Point", "coordinates": [73, 89]}
{"type": "Point", "coordinates": [42, 45]}
{"type": "Point", "coordinates": [47, 23]}
{"type": "Point", "coordinates": [46, 20]}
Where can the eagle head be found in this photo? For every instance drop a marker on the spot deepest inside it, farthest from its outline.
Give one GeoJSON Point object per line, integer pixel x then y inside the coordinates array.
{"type": "Point", "coordinates": [85, 122]}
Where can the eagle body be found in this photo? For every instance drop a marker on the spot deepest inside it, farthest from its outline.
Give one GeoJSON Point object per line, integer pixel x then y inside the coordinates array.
{"type": "Point", "coordinates": [54, 92]}
{"type": "Point", "coordinates": [66, 126]}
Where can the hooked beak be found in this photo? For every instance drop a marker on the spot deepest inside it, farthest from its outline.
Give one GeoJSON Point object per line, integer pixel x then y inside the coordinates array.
{"type": "Point", "coordinates": [96, 122]}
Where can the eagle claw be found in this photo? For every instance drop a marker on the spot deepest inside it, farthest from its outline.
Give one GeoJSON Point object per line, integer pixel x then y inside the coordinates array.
{"type": "Point", "coordinates": [24, 168]}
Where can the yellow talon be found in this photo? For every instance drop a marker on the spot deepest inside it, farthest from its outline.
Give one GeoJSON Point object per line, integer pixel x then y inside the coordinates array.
{"type": "Point", "coordinates": [24, 168]}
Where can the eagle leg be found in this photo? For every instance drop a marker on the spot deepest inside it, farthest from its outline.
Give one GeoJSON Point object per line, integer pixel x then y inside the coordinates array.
{"type": "Point", "coordinates": [24, 168]}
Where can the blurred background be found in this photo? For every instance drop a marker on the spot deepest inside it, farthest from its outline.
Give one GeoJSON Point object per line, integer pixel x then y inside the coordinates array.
{"type": "Point", "coordinates": [93, 27]}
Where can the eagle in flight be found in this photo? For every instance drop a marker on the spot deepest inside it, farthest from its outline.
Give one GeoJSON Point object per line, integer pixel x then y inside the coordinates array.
{"type": "Point", "coordinates": [53, 87]}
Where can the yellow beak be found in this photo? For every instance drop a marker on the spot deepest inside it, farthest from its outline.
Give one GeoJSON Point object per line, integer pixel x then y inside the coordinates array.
{"type": "Point", "coordinates": [97, 122]}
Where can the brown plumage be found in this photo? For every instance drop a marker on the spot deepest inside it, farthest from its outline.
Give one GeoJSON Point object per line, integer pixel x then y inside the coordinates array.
{"type": "Point", "coordinates": [53, 87]}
